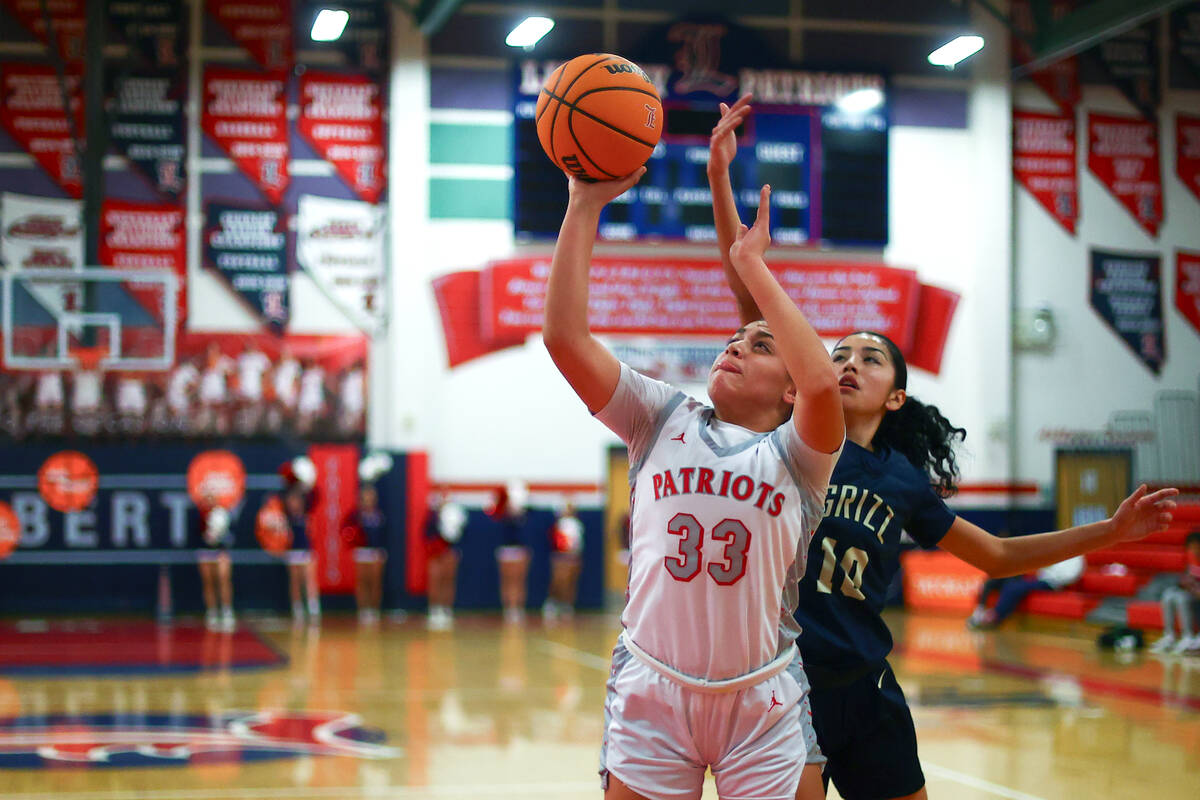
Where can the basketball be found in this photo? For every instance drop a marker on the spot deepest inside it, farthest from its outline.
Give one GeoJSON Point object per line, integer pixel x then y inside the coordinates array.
{"type": "Point", "coordinates": [599, 117]}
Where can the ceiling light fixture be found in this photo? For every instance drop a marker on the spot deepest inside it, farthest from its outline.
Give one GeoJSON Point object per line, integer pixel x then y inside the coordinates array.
{"type": "Point", "coordinates": [329, 24]}
{"type": "Point", "coordinates": [955, 51]}
{"type": "Point", "coordinates": [529, 32]}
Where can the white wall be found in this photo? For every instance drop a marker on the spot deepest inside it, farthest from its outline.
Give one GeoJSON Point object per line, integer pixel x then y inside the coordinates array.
{"type": "Point", "coordinates": [1090, 371]}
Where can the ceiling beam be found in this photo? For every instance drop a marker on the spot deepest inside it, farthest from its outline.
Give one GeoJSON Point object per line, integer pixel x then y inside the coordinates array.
{"type": "Point", "coordinates": [1088, 26]}
{"type": "Point", "coordinates": [431, 15]}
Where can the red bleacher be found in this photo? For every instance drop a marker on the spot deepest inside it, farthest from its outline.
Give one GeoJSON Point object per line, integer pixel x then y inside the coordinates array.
{"type": "Point", "coordinates": [1142, 561]}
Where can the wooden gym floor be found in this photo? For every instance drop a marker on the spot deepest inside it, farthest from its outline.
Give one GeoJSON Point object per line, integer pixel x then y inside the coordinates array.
{"type": "Point", "coordinates": [1030, 712]}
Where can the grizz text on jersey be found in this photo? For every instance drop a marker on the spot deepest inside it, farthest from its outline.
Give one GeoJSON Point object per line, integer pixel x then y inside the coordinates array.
{"type": "Point", "coordinates": [860, 505]}
{"type": "Point", "coordinates": [702, 480]}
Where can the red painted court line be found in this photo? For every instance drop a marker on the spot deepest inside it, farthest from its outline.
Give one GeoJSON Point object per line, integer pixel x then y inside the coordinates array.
{"type": "Point", "coordinates": [1099, 686]}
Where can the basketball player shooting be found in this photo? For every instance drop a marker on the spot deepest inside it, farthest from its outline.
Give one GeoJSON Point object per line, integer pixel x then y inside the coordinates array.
{"type": "Point", "coordinates": [725, 498]}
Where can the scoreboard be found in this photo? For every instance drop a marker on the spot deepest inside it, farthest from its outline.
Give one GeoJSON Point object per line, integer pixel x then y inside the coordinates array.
{"type": "Point", "coordinates": [827, 168]}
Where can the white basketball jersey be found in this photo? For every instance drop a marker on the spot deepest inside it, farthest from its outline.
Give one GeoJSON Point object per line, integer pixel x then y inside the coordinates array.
{"type": "Point", "coordinates": [721, 521]}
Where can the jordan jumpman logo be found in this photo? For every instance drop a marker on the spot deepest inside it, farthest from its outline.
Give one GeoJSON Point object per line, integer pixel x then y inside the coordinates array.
{"type": "Point", "coordinates": [678, 438]}
{"type": "Point", "coordinates": [774, 703]}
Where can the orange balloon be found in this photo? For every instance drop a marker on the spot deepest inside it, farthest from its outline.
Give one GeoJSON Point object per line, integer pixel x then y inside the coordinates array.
{"type": "Point", "coordinates": [10, 530]}
{"type": "Point", "coordinates": [271, 526]}
{"type": "Point", "coordinates": [68, 481]}
{"type": "Point", "coordinates": [216, 477]}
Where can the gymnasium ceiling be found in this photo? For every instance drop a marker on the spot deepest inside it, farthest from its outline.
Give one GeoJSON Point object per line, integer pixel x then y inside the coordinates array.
{"type": "Point", "coordinates": [892, 36]}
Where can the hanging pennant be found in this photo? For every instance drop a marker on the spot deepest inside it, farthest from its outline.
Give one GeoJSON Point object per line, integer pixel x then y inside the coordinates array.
{"type": "Point", "coordinates": [31, 110]}
{"type": "Point", "coordinates": [340, 244]}
{"type": "Point", "coordinates": [68, 18]}
{"type": "Point", "coordinates": [1123, 155]}
{"type": "Point", "coordinates": [247, 247]}
{"type": "Point", "coordinates": [1185, 36]}
{"type": "Point", "coordinates": [246, 114]}
{"type": "Point", "coordinates": [1130, 60]}
{"type": "Point", "coordinates": [154, 30]}
{"type": "Point", "coordinates": [1187, 286]}
{"type": "Point", "coordinates": [1187, 152]}
{"type": "Point", "coordinates": [146, 125]}
{"type": "Point", "coordinates": [136, 236]}
{"type": "Point", "coordinates": [263, 27]}
{"type": "Point", "coordinates": [1126, 292]}
{"type": "Point", "coordinates": [1060, 80]}
{"type": "Point", "coordinates": [1044, 163]}
{"type": "Point", "coordinates": [342, 118]}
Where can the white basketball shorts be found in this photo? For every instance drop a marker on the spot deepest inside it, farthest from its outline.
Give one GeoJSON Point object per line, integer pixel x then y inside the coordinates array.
{"type": "Point", "coordinates": [659, 735]}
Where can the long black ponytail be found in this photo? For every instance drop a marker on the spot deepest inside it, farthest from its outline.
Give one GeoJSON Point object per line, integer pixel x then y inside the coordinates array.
{"type": "Point", "coordinates": [919, 431]}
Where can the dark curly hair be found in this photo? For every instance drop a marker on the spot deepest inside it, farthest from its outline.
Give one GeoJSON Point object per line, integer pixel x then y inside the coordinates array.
{"type": "Point", "coordinates": [919, 431]}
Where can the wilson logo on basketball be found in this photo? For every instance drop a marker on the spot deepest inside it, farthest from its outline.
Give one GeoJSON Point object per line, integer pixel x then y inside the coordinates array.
{"type": "Point", "coordinates": [68, 481]}
{"type": "Point", "coordinates": [161, 740]}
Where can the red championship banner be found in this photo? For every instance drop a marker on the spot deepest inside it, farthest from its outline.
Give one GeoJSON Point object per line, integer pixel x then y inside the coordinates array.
{"type": "Point", "coordinates": [1060, 80]}
{"type": "Point", "coordinates": [337, 495]}
{"type": "Point", "coordinates": [341, 117]}
{"type": "Point", "coordinates": [1044, 163]}
{"type": "Point", "coordinates": [263, 27]}
{"type": "Point", "coordinates": [1123, 155]}
{"type": "Point", "coordinates": [501, 305]}
{"type": "Point", "coordinates": [31, 110]}
{"type": "Point", "coordinates": [68, 18]}
{"type": "Point", "coordinates": [1187, 152]}
{"type": "Point", "coordinates": [1187, 286]}
{"type": "Point", "coordinates": [152, 237]}
{"type": "Point", "coordinates": [245, 113]}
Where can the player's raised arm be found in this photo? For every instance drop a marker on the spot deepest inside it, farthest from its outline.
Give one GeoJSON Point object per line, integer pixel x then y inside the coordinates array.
{"type": "Point", "coordinates": [587, 365]}
{"type": "Point", "coordinates": [817, 413]}
{"type": "Point", "coordinates": [722, 149]}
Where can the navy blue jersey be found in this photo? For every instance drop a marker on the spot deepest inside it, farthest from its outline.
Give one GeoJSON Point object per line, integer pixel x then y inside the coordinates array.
{"type": "Point", "coordinates": [855, 553]}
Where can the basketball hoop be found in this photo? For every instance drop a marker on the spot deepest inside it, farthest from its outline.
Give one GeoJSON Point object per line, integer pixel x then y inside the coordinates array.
{"type": "Point", "coordinates": [88, 358]}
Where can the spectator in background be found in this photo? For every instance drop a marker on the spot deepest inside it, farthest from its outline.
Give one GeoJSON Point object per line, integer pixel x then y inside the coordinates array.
{"type": "Point", "coordinates": [214, 391]}
{"type": "Point", "coordinates": [512, 556]}
{"type": "Point", "coordinates": [1015, 589]}
{"type": "Point", "coordinates": [352, 401]}
{"type": "Point", "coordinates": [216, 566]}
{"type": "Point", "coordinates": [443, 531]}
{"type": "Point", "coordinates": [302, 570]}
{"type": "Point", "coordinates": [252, 365]}
{"type": "Point", "coordinates": [1182, 601]}
{"type": "Point", "coordinates": [310, 407]}
{"type": "Point", "coordinates": [370, 535]}
{"type": "Point", "coordinates": [284, 390]}
{"type": "Point", "coordinates": [566, 558]}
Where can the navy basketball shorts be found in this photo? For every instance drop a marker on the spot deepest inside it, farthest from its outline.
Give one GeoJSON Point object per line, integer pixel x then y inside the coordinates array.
{"type": "Point", "coordinates": [866, 732]}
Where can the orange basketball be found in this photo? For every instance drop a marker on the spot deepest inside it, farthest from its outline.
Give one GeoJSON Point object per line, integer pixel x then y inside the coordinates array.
{"type": "Point", "coordinates": [599, 117]}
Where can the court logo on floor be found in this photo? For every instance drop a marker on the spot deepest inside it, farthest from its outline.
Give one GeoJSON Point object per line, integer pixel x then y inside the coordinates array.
{"type": "Point", "coordinates": [143, 740]}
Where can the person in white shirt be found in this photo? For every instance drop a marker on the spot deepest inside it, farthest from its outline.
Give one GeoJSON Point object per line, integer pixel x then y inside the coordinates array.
{"type": "Point", "coordinates": [252, 365]}
{"type": "Point", "coordinates": [180, 393]}
{"type": "Point", "coordinates": [131, 402]}
{"type": "Point", "coordinates": [352, 391]}
{"type": "Point", "coordinates": [284, 389]}
{"type": "Point", "coordinates": [724, 501]}
{"type": "Point", "coordinates": [87, 398]}
{"type": "Point", "coordinates": [214, 391]}
{"type": "Point", "coordinates": [48, 401]}
{"type": "Point", "coordinates": [311, 404]}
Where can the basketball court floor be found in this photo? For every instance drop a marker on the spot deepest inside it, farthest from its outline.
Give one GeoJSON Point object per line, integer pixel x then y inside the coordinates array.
{"type": "Point", "coordinates": [120, 709]}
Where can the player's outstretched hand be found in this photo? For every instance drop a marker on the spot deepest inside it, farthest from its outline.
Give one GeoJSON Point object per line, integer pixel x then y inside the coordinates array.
{"type": "Point", "coordinates": [595, 195]}
{"type": "Point", "coordinates": [1143, 513]}
{"type": "Point", "coordinates": [752, 243]}
{"type": "Point", "coordinates": [722, 146]}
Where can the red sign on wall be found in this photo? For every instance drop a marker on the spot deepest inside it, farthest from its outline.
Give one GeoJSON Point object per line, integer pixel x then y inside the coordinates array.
{"type": "Point", "coordinates": [245, 113]}
{"type": "Point", "coordinates": [31, 110]}
{"type": "Point", "coordinates": [1187, 286]}
{"type": "Point", "coordinates": [1123, 155]}
{"type": "Point", "coordinates": [263, 27]}
{"type": "Point", "coordinates": [1187, 151]}
{"type": "Point", "coordinates": [341, 117]}
{"type": "Point", "coordinates": [138, 236]}
{"type": "Point", "coordinates": [1044, 163]}
{"type": "Point", "coordinates": [498, 307]}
